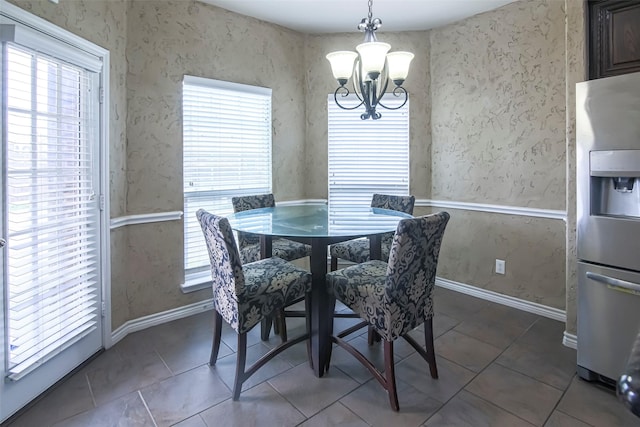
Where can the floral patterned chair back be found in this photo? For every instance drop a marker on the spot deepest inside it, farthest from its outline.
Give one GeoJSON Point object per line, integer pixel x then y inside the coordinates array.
{"type": "Point", "coordinates": [411, 274]}
{"type": "Point", "coordinates": [226, 271]}
{"type": "Point", "coordinates": [397, 203]}
{"type": "Point", "coordinates": [245, 203]}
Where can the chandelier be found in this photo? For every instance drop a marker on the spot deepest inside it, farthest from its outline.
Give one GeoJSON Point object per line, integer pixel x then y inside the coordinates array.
{"type": "Point", "coordinates": [372, 68]}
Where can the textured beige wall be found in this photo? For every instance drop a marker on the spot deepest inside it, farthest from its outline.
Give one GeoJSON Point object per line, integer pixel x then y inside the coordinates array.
{"type": "Point", "coordinates": [103, 22]}
{"type": "Point", "coordinates": [166, 40]}
{"type": "Point", "coordinates": [498, 137]}
{"type": "Point", "coordinates": [320, 83]}
{"type": "Point", "coordinates": [498, 96]}
{"type": "Point", "coordinates": [576, 72]}
{"type": "Point", "coordinates": [503, 131]}
{"type": "Point", "coordinates": [532, 247]}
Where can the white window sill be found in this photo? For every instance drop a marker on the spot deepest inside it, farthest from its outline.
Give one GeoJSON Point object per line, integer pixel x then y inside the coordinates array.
{"type": "Point", "coordinates": [196, 282]}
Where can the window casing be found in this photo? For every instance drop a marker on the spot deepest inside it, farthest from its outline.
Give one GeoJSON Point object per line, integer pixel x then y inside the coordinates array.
{"type": "Point", "coordinates": [366, 156]}
{"type": "Point", "coordinates": [226, 153]}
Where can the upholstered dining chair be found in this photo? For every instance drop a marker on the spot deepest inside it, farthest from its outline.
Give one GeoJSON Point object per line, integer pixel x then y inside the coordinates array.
{"type": "Point", "coordinates": [250, 244]}
{"type": "Point", "coordinates": [395, 297]}
{"type": "Point", "coordinates": [250, 247]}
{"type": "Point", "coordinates": [244, 294]}
{"type": "Point", "coordinates": [357, 250]}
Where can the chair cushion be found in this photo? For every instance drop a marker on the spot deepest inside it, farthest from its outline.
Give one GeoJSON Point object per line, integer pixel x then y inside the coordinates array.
{"type": "Point", "coordinates": [361, 287]}
{"type": "Point", "coordinates": [357, 250]}
{"type": "Point", "coordinates": [270, 284]}
{"type": "Point", "coordinates": [286, 249]}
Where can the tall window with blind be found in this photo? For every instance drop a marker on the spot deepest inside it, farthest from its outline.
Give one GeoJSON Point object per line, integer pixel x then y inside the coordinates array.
{"type": "Point", "coordinates": [51, 185]}
{"type": "Point", "coordinates": [366, 156]}
{"type": "Point", "coordinates": [226, 153]}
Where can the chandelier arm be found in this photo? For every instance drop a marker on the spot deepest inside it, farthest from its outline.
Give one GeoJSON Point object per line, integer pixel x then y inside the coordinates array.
{"type": "Point", "coordinates": [380, 93]}
{"type": "Point", "coordinates": [397, 92]}
{"type": "Point", "coordinates": [346, 92]}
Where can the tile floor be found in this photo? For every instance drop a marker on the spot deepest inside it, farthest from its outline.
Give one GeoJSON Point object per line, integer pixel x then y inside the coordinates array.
{"type": "Point", "coordinates": [498, 367]}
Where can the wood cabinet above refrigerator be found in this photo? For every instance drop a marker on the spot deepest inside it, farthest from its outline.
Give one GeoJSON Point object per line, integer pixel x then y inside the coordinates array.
{"type": "Point", "coordinates": [613, 37]}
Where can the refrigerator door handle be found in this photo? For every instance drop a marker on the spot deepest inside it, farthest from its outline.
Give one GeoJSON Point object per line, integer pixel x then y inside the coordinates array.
{"type": "Point", "coordinates": [613, 281]}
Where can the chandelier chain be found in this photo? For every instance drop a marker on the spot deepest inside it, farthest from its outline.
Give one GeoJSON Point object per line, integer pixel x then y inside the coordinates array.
{"type": "Point", "coordinates": [370, 10]}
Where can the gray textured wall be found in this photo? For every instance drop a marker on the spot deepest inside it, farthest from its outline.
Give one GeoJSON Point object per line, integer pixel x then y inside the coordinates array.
{"type": "Point", "coordinates": [498, 137]}
{"type": "Point", "coordinates": [492, 120]}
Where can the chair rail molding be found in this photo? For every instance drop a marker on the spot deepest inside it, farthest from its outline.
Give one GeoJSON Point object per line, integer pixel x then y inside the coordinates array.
{"type": "Point", "coordinates": [148, 218]}
{"type": "Point", "coordinates": [500, 209]}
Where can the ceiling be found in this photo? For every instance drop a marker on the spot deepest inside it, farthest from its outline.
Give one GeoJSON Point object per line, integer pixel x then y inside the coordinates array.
{"type": "Point", "coordinates": [333, 16]}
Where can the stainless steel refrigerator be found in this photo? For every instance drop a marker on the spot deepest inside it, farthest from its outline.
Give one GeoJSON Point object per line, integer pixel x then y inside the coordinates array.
{"type": "Point", "coordinates": [608, 234]}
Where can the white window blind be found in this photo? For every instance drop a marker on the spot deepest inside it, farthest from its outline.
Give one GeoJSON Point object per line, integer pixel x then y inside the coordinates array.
{"type": "Point", "coordinates": [51, 210]}
{"type": "Point", "coordinates": [226, 153]}
{"type": "Point", "coordinates": [366, 156]}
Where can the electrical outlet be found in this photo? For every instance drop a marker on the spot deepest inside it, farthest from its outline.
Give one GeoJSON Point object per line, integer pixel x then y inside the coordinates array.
{"type": "Point", "coordinates": [500, 266]}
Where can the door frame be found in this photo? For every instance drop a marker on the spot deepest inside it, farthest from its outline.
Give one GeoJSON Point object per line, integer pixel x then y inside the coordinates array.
{"type": "Point", "coordinates": [48, 29]}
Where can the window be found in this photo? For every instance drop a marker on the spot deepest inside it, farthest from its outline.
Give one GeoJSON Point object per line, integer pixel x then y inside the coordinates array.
{"type": "Point", "coordinates": [226, 153]}
{"type": "Point", "coordinates": [367, 156]}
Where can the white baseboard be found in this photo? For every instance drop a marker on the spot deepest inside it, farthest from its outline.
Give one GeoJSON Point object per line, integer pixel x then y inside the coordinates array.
{"type": "Point", "coordinates": [159, 318]}
{"type": "Point", "coordinates": [145, 322]}
{"type": "Point", "coordinates": [570, 340]}
{"type": "Point", "coordinates": [531, 307]}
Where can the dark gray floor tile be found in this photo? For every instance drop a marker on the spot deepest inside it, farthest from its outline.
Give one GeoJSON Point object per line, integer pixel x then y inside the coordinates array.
{"type": "Point", "coordinates": [595, 405]}
{"type": "Point", "coordinates": [466, 351]}
{"type": "Point", "coordinates": [497, 325]}
{"type": "Point", "coordinates": [371, 403]}
{"type": "Point", "coordinates": [310, 394]}
{"type": "Point", "coordinates": [560, 419]}
{"type": "Point", "coordinates": [70, 398]}
{"type": "Point", "coordinates": [126, 411]}
{"type": "Point", "coordinates": [226, 367]}
{"type": "Point", "coordinates": [130, 374]}
{"type": "Point", "coordinates": [455, 304]}
{"type": "Point", "coordinates": [260, 406]}
{"type": "Point", "coordinates": [451, 377]}
{"type": "Point", "coordinates": [189, 351]}
{"type": "Point", "coordinates": [516, 393]}
{"type": "Point", "coordinates": [335, 415]}
{"type": "Point", "coordinates": [554, 365]}
{"type": "Point", "coordinates": [544, 333]}
{"type": "Point", "coordinates": [184, 395]}
{"type": "Point", "coordinates": [468, 410]}
{"type": "Point", "coordinates": [137, 343]}
{"type": "Point", "coordinates": [195, 421]}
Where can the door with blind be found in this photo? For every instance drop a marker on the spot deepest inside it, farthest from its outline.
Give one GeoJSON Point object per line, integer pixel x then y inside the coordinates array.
{"type": "Point", "coordinates": [50, 190]}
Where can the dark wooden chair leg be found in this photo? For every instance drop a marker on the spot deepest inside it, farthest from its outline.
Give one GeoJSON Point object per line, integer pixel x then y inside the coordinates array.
{"type": "Point", "coordinates": [331, 308]}
{"type": "Point", "coordinates": [428, 343]}
{"type": "Point", "coordinates": [217, 335]}
{"type": "Point", "coordinates": [265, 328]}
{"type": "Point", "coordinates": [334, 263]}
{"type": "Point", "coordinates": [390, 374]}
{"type": "Point", "coordinates": [281, 324]}
{"type": "Point", "coordinates": [241, 362]}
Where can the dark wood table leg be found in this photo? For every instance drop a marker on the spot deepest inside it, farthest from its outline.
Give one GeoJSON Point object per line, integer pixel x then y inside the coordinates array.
{"type": "Point", "coordinates": [375, 246]}
{"type": "Point", "coordinates": [265, 252]}
{"type": "Point", "coordinates": [319, 301]}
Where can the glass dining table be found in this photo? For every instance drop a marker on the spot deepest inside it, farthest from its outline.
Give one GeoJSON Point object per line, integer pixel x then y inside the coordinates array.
{"type": "Point", "coordinates": [318, 226]}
